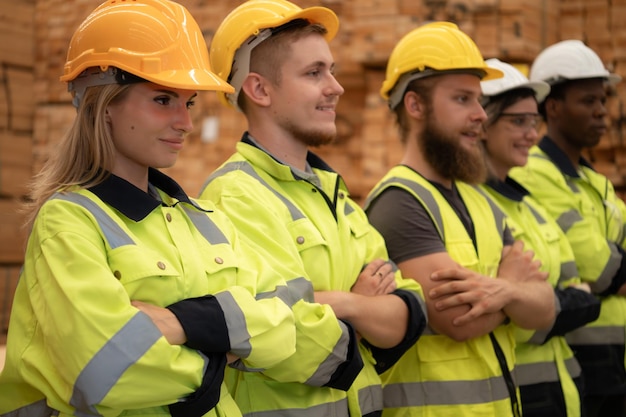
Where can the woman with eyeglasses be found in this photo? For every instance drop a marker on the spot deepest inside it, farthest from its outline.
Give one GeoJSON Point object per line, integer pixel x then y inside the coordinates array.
{"type": "Point", "coordinates": [547, 373]}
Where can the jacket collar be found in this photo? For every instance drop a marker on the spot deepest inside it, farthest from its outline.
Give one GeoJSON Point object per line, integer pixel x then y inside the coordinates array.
{"type": "Point", "coordinates": [559, 158]}
{"type": "Point", "coordinates": [508, 188]}
{"type": "Point", "coordinates": [314, 161]}
{"type": "Point", "coordinates": [135, 203]}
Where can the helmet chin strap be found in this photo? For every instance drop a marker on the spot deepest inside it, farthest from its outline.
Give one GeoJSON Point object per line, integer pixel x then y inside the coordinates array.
{"type": "Point", "coordinates": [95, 76]}
{"type": "Point", "coordinates": [241, 64]}
{"type": "Point", "coordinates": [241, 61]}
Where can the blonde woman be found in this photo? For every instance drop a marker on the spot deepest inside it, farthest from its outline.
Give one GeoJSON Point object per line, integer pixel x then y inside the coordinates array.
{"type": "Point", "coordinates": [111, 233]}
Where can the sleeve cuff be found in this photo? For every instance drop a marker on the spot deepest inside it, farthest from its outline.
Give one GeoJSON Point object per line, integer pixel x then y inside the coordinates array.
{"type": "Point", "coordinates": [386, 358]}
{"type": "Point", "coordinates": [203, 321]}
{"type": "Point", "coordinates": [207, 396]}
{"type": "Point", "coordinates": [347, 372]}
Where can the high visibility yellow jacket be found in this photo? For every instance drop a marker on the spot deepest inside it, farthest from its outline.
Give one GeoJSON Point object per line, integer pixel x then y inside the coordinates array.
{"type": "Point", "coordinates": [544, 357]}
{"type": "Point", "coordinates": [320, 232]}
{"type": "Point", "coordinates": [585, 206]}
{"type": "Point", "coordinates": [440, 376]}
{"type": "Point", "coordinates": [76, 346]}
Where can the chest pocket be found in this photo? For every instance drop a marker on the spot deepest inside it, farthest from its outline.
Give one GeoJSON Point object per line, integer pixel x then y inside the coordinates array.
{"type": "Point", "coordinates": [221, 269]}
{"type": "Point", "coordinates": [305, 235]}
{"type": "Point", "coordinates": [133, 263]}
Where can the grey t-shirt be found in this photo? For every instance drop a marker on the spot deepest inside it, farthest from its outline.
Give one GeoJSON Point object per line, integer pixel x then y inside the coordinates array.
{"type": "Point", "coordinates": [400, 218]}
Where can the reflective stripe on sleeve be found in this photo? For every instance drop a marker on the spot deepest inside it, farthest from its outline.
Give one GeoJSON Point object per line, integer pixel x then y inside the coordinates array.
{"type": "Point", "coordinates": [106, 367]}
{"type": "Point", "coordinates": [296, 290]}
{"type": "Point", "coordinates": [236, 324]}
{"type": "Point", "coordinates": [325, 370]}
{"type": "Point", "coordinates": [611, 267]}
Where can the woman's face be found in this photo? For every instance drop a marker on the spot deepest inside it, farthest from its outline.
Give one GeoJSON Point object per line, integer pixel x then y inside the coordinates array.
{"type": "Point", "coordinates": [510, 138]}
{"type": "Point", "coordinates": [149, 125]}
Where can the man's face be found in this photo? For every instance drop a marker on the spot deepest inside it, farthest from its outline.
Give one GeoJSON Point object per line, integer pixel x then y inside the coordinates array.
{"type": "Point", "coordinates": [304, 101]}
{"type": "Point", "coordinates": [452, 129]}
{"type": "Point", "coordinates": [580, 115]}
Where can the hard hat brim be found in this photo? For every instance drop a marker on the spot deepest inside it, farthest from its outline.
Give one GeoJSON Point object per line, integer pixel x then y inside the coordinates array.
{"type": "Point", "coordinates": [186, 80]}
{"type": "Point", "coordinates": [322, 16]}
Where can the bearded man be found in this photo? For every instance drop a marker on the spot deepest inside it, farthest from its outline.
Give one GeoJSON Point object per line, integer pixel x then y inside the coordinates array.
{"type": "Point", "coordinates": [442, 231]}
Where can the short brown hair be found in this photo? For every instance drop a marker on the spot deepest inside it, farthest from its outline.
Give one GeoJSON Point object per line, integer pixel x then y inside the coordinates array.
{"type": "Point", "coordinates": [267, 58]}
{"type": "Point", "coordinates": [423, 87]}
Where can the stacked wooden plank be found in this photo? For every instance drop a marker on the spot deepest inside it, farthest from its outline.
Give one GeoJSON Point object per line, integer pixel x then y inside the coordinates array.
{"type": "Point", "coordinates": [17, 106]}
{"type": "Point", "coordinates": [601, 29]}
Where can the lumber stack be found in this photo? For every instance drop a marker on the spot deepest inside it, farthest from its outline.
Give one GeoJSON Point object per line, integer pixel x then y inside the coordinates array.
{"type": "Point", "coordinates": [17, 106]}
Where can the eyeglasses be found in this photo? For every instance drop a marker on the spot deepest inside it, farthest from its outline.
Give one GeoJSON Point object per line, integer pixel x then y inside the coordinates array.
{"type": "Point", "coordinates": [524, 121]}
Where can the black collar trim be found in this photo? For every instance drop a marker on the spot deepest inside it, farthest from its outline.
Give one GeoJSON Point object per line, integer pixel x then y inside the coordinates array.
{"type": "Point", "coordinates": [560, 159]}
{"type": "Point", "coordinates": [135, 203]}
{"type": "Point", "coordinates": [509, 188]}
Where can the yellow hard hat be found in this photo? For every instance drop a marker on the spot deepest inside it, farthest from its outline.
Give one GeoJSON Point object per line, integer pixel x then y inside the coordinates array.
{"type": "Point", "coordinates": [155, 40]}
{"type": "Point", "coordinates": [250, 24]}
{"type": "Point", "coordinates": [428, 50]}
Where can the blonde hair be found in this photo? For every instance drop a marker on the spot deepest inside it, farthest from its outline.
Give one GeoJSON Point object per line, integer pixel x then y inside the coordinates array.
{"type": "Point", "coordinates": [85, 155]}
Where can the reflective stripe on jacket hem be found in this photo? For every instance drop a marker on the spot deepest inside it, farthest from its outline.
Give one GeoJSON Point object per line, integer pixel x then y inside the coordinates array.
{"type": "Point", "coordinates": [336, 409]}
{"type": "Point", "coordinates": [370, 399]}
{"type": "Point", "coordinates": [38, 409]}
{"type": "Point", "coordinates": [415, 394]}
{"type": "Point", "coordinates": [591, 335]}
{"type": "Point", "coordinates": [536, 373]}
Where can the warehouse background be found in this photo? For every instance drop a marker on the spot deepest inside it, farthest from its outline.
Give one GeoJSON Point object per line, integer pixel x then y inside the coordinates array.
{"type": "Point", "coordinates": [35, 107]}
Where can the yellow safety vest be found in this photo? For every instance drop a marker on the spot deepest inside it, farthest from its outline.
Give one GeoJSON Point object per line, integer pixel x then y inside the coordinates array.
{"type": "Point", "coordinates": [538, 361]}
{"type": "Point", "coordinates": [440, 376]}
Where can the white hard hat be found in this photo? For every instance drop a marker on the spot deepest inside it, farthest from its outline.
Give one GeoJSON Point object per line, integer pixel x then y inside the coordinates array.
{"type": "Point", "coordinates": [512, 79]}
{"type": "Point", "coordinates": [569, 60]}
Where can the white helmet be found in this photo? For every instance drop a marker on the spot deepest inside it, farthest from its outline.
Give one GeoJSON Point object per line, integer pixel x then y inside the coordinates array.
{"type": "Point", "coordinates": [569, 60]}
{"type": "Point", "coordinates": [512, 79]}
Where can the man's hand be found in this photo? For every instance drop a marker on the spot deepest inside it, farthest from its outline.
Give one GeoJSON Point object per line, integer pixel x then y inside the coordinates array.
{"type": "Point", "coordinates": [484, 295]}
{"type": "Point", "coordinates": [165, 321]}
{"type": "Point", "coordinates": [377, 278]}
{"type": "Point", "coordinates": [518, 265]}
